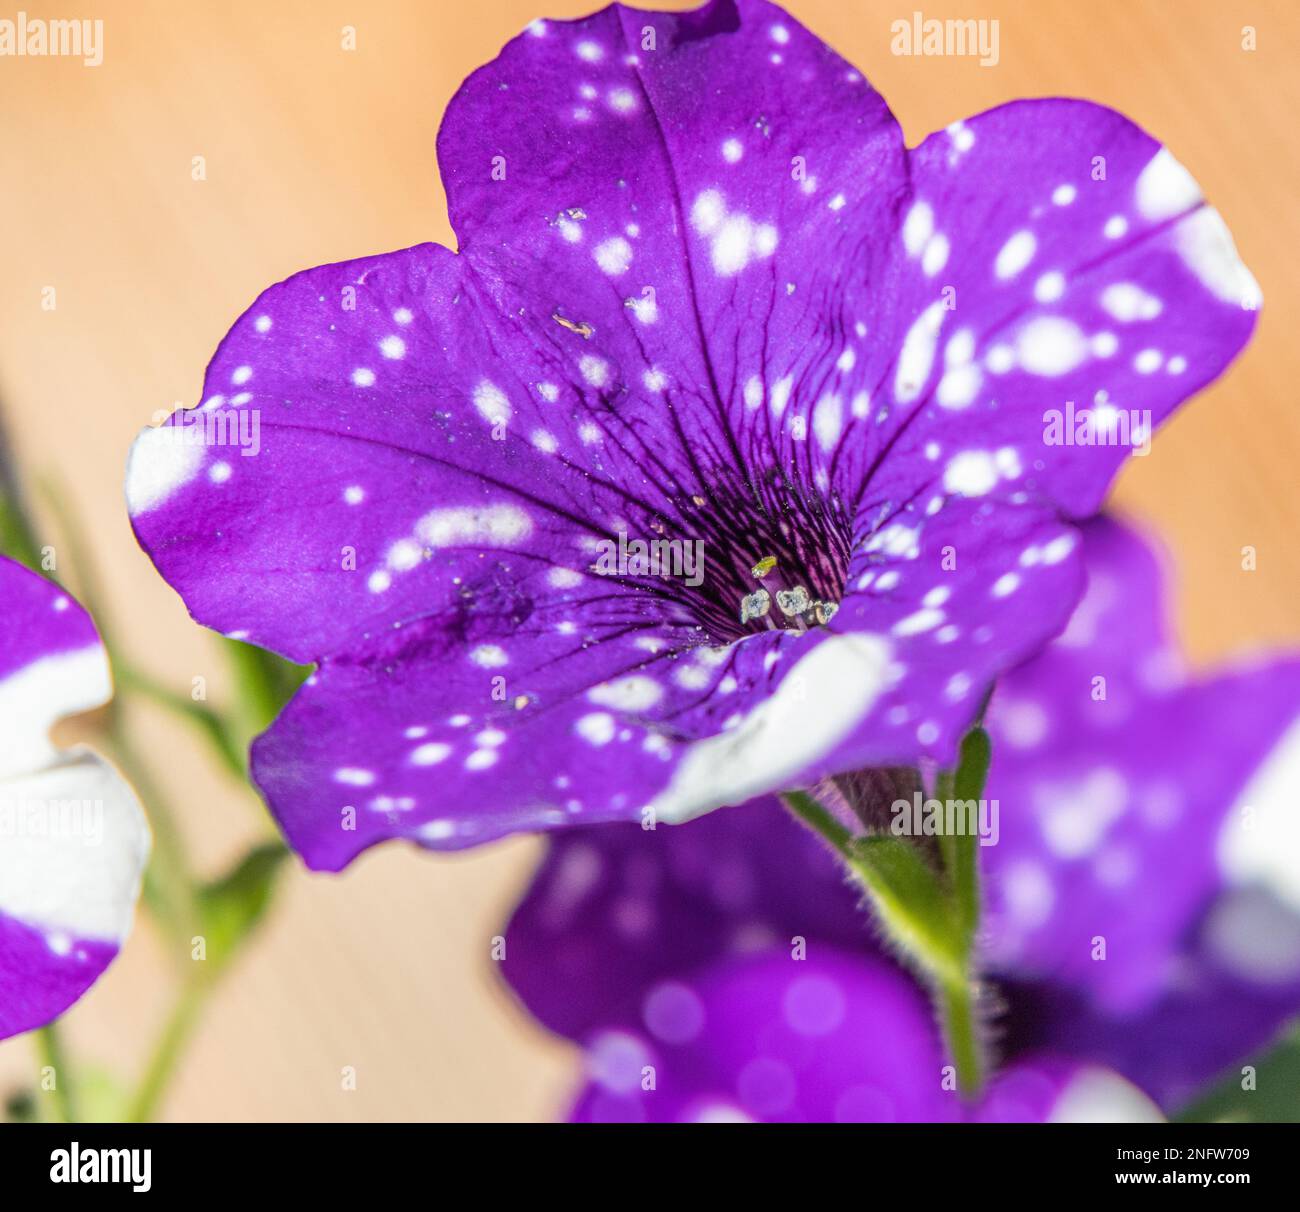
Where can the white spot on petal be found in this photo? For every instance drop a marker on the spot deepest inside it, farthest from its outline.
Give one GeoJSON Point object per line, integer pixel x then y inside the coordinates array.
{"type": "Point", "coordinates": [1015, 254]}
{"type": "Point", "coordinates": [633, 693]}
{"type": "Point", "coordinates": [489, 656]}
{"type": "Point", "coordinates": [1051, 346]}
{"type": "Point", "coordinates": [972, 473]}
{"type": "Point", "coordinates": [491, 402]}
{"type": "Point", "coordinates": [918, 227]}
{"type": "Point", "coordinates": [430, 754]}
{"type": "Point", "coordinates": [917, 355]}
{"type": "Point", "coordinates": [1165, 188]}
{"type": "Point", "coordinates": [595, 370]}
{"type": "Point", "coordinates": [596, 728]}
{"type": "Point", "coordinates": [613, 255]}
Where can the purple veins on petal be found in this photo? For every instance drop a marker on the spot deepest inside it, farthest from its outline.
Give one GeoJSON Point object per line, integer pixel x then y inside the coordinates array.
{"type": "Point", "coordinates": [759, 328]}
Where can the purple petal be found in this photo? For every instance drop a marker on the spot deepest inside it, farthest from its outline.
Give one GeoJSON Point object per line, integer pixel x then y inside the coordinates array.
{"type": "Point", "coordinates": [614, 911]}
{"type": "Point", "coordinates": [837, 1037]}
{"type": "Point", "coordinates": [1048, 1089]}
{"type": "Point", "coordinates": [42, 978]}
{"type": "Point", "coordinates": [567, 711]}
{"type": "Point", "coordinates": [1154, 824]}
{"type": "Point", "coordinates": [51, 665]}
{"type": "Point", "coordinates": [1087, 272]}
{"type": "Point", "coordinates": [669, 322]}
{"type": "Point", "coordinates": [75, 840]}
{"type": "Point", "coordinates": [904, 303]}
{"type": "Point", "coordinates": [833, 1038]}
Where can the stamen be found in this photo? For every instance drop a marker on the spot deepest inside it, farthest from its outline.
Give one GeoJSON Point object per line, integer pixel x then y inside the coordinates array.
{"type": "Point", "coordinates": [823, 612]}
{"type": "Point", "coordinates": [763, 567]}
{"type": "Point", "coordinates": [755, 605]}
{"type": "Point", "coordinates": [793, 602]}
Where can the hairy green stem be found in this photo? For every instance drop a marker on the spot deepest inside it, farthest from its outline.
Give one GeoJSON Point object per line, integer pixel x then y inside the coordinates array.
{"type": "Point", "coordinates": [955, 1002]}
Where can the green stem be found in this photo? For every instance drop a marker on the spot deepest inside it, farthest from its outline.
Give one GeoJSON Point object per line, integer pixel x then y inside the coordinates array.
{"type": "Point", "coordinates": [212, 723]}
{"type": "Point", "coordinates": [955, 1002]}
{"type": "Point", "coordinates": [49, 1044]}
{"type": "Point", "coordinates": [170, 890]}
{"type": "Point", "coordinates": [167, 1051]}
{"type": "Point", "coordinates": [945, 790]}
{"type": "Point", "coordinates": [965, 878]}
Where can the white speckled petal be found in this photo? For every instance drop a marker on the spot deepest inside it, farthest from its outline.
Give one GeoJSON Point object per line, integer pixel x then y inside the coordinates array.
{"type": "Point", "coordinates": [73, 840]}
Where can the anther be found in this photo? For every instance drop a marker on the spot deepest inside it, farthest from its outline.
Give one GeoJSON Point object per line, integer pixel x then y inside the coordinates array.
{"type": "Point", "coordinates": [823, 612]}
{"type": "Point", "coordinates": [793, 602]}
{"type": "Point", "coordinates": [755, 605]}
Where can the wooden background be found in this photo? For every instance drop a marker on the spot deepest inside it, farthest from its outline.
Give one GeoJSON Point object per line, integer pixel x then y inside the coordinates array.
{"type": "Point", "coordinates": [315, 154]}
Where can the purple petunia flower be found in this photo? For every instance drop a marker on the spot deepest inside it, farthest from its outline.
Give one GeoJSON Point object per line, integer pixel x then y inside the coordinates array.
{"type": "Point", "coordinates": [714, 462]}
{"type": "Point", "coordinates": [1142, 914]}
{"type": "Point", "coordinates": [74, 841]}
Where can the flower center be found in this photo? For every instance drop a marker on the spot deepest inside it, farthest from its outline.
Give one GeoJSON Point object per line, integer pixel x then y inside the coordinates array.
{"type": "Point", "coordinates": [775, 556]}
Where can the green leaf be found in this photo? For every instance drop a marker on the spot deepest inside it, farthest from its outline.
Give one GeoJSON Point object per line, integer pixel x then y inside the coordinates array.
{"type": "Point", "coordinates": [17, 535]}
{"type": "Point", "coordinates": [973, 765]}
{"type": "Point", "coordinates": [231, 907]}
{"type": "Point", "coordinates": [266, 682]}
{"type": "Point", "coordinates": [1275, 1099]}
{"type": "Point", "coordinates": [211, 723]}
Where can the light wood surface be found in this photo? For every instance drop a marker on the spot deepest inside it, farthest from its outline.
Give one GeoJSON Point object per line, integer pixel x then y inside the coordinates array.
{"type": "Point", "coordinates": [315, 154]}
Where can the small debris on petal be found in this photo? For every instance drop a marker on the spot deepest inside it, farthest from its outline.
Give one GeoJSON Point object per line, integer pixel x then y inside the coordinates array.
{"type": "Point", "coordinates": [583, 330]}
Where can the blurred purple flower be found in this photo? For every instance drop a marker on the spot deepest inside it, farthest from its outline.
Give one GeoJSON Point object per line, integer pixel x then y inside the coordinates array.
{"type": "Point", "coordinates": [1142, 916]}
{"type": "Point", "coordinates": [705, 298]}
{"type": "Point", "coordinates": [73, 840]}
